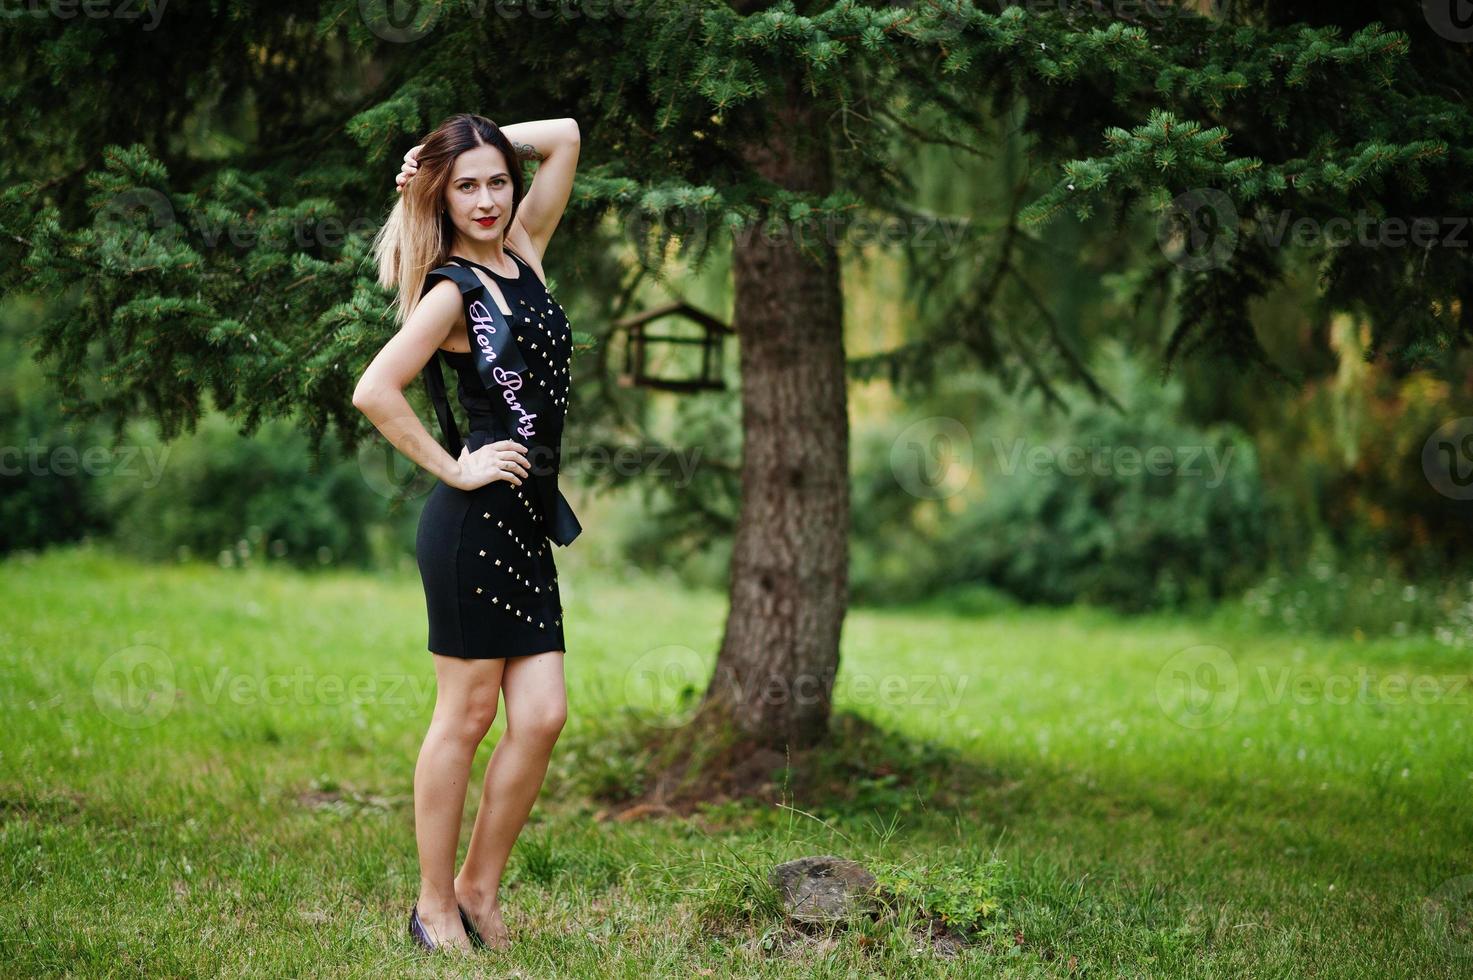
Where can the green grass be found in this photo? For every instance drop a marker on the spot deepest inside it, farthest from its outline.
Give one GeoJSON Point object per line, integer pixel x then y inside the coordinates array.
{"type": "Point", "coordinates": [260, 821]}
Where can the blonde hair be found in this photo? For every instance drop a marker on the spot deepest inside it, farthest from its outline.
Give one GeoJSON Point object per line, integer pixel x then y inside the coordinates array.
{"type": "Point", "coordinates": [418, 235]}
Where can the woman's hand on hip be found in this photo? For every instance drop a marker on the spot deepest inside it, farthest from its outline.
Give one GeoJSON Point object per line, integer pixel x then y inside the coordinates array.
{"type": "Point", "coordinates": [504, 460]}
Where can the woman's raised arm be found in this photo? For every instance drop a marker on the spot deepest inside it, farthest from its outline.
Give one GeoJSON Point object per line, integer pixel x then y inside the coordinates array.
{"type": "Point", "coordinates": [555, 143]}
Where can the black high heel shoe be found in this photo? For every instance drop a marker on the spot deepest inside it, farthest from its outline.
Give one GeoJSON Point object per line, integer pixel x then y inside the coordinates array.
{"type": "Point", "coordinates": [470, 929]}
{"type": "Point", "coordinates": [418, 932]}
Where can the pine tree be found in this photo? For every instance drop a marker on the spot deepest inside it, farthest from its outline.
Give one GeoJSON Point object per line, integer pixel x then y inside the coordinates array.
{"type": "Point", "coordinates": [196, 198]}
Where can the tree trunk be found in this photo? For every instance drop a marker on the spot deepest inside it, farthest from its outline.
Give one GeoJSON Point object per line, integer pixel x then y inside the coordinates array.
{"type": "Point", "coordinates": [789, 584]}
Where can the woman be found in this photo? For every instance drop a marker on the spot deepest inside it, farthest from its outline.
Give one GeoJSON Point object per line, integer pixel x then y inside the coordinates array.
{"type": "Point", "coordinates": [464, 236]}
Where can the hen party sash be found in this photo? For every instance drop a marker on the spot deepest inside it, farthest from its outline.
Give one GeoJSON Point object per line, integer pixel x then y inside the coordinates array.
{"type": "Point", "coordinates": [504, 373]}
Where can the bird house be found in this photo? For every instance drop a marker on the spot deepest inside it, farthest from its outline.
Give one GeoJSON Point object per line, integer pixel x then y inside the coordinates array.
{"type": "Point", "coordinates": [647, 351]}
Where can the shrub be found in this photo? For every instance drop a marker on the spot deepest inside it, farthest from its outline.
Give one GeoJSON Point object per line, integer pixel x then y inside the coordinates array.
{"type": "Point", "coordinates": [1127, 510]}
{"type": "Point", "coordinates": [246, 498]}
{"type": "Point", "coordinates": [47, 494]}
{"type": "Point", "coordinates": [1120, 534]}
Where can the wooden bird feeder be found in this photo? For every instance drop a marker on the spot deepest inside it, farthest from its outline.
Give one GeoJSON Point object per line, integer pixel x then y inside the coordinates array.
{"type": "Point", "coordinates": [641, 340]}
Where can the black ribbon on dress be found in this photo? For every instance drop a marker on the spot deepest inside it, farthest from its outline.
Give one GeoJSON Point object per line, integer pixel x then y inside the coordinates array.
{"type": "Point", "coordinates": [504, 373]}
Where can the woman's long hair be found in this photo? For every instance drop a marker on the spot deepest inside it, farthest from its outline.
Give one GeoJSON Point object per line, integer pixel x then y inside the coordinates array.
{"type": "Point", "coordinates": [418, 235]}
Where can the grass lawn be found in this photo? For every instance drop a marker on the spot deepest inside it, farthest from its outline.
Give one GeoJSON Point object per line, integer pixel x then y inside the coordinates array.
{"type": "Point", "coordinates": [1165, 796]}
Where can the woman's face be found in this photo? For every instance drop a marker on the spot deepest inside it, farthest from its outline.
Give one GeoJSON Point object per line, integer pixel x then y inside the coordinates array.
{"type": "Point", "coordinates": [479, 188]}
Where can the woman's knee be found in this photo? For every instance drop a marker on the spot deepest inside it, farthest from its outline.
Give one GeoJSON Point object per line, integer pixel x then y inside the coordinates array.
{"type": "Point", "coordinates": [470, 718]}
{"type": "Point", "coordinates": [542, 723]}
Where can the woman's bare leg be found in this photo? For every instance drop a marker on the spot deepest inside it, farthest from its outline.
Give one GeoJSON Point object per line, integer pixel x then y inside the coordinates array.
{"type": "Point", "coordinates": [465, 705]}
{"type": "Point", "coordinates": [536, 708]}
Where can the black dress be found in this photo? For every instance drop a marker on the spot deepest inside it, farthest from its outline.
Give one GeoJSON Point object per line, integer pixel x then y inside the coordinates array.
{"type": "Point", "coordinates": [484, 556]}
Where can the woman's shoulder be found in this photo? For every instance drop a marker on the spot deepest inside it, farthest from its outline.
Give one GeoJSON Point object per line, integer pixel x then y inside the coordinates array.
{"type": "Point", "coordinates": [450, 278]}
{"type": "Point", "coordinates": [444, 297]}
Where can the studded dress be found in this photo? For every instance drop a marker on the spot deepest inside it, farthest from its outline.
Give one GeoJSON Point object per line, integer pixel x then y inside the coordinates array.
{"type": "Point", "coordinates": [491, 585]}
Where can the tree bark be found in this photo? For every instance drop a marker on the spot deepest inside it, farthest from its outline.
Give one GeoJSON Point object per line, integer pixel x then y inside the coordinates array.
{"type": "Point", "coordinates": [789, 584]}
